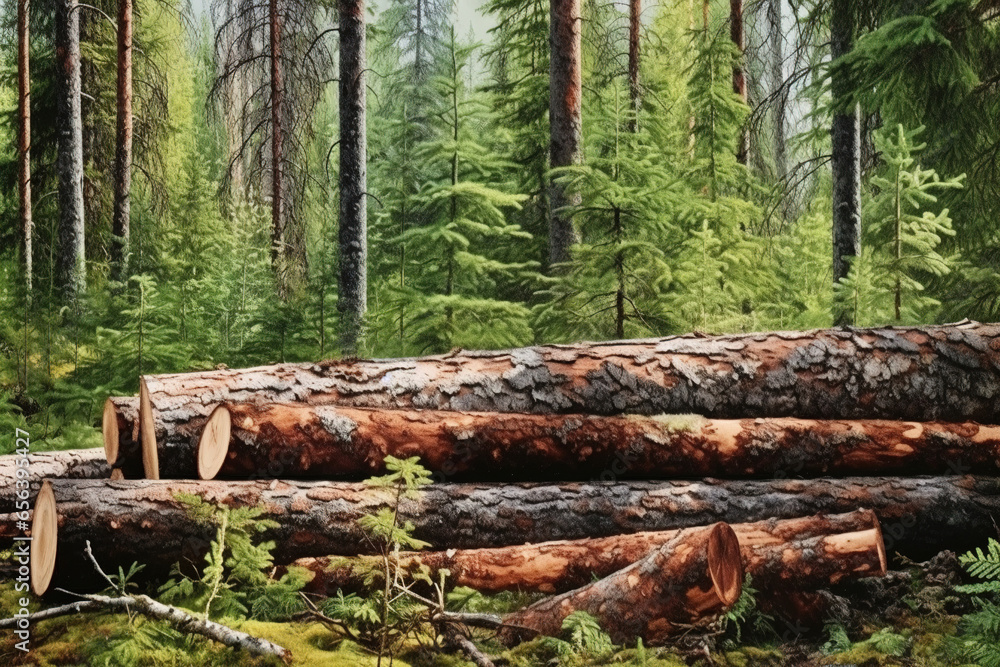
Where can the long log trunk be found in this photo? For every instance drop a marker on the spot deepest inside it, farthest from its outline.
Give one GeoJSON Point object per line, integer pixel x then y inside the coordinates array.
{"type": "Point", "coordinates": [142, 519]}
{"type": "Point", "coordinates": [65, 464]}
{"type": "Point", "coordinates": [279, 244]}
{"type": "Point", "coordinates": [24, 139]}
{"type": "Point", "coordinates": [120, 430]}
{"type": "Point", "coordinates": [689, 581]}
{"type": "Point", "coordinates": [556, 567]}
{"type": "Point", "coordinates": [297, 440]}
{"type": "Point", "coordinates": [69, 163]}
{"type": "Point", "coordinates": [947, 372]}
{"type": "Point", "coordinates": [123, 145]}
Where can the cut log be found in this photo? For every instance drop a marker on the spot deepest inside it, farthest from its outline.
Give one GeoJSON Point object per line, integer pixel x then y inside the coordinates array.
{"type": "Point", "coordinates": [65, 464]}
{"type": "Point", "coordinates": [142, 520]}
{"type": "Point", "coordinates": [331, 442]}
{"type": "Point", "coordinates": [688, 581]}
{"type": "Point", "coordinates": [556, 567]}
{"type": "Point", "coordinates": [120, 428]}
{"type": "Point", "coordinates": [949, 373]}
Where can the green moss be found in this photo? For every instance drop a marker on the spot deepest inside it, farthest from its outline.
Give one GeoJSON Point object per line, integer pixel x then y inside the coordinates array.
{"type": "Point", "coordinates": [751, 656]}
{"type": "Point", "coordinates": [683, 423]}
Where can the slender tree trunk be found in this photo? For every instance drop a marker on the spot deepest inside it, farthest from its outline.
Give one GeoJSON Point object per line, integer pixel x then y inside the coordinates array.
{"type": "Point", "coordinates": [739, 75]}
{"type": "Point", "coordinates": [123, 145]}
{"type": "Point", "coordinates": [353, 295]}
{"type": "Point", "coordinates": [279, 252]}
{"type": "Point", "coordinates": [565, 119]}
{"type": "Point", "coordinates": [72, 278]}
{"type": "Point", "coordinates": [846, 145]}
{"type": "Point", "coordinates": [24, 136]}
{"type": "Point", "coordinates": [777, 82]}
{"type": "Point", "coordinates": [634, 52]}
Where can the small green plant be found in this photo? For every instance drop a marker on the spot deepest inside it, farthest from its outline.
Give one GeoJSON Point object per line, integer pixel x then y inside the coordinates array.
{"type": "Point", "coordinates": [979, 642]}
{"type": "Point", "coordinates": [385, 617]}
{"type": "Point", "coordinates": [583, 638]}
{"type": "Point", "coordinates": [745, 614]}
{"type": "Point", "coordinates": [234, 580]}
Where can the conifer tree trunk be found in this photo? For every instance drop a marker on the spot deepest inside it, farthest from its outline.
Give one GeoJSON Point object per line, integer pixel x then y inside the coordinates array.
{"type": "Point", "coordinates": [846, 161]}
{"type": "Point", "coordinates": [739, 76]}
{"type": "Point", "coordinates": [777, 82]}
{"type": "Point", "coordinates": [565, 118]}
{"type": "Point", "coordinates": [71, 268]}
{"type": "Point", "coordinates": [123, 144]}
{"type": "Point", "coordinates": [278, 254]}
{"type": "Point", "coordinates": [353, 288]}
{"type": "Point", "coordinates": [24, 136]}
{"type": "Point", "coordinates": [634, 51]}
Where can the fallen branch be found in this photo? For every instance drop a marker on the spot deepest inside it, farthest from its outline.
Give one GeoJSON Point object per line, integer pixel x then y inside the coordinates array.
{"type": "Point", "coordinates": [180, 619]}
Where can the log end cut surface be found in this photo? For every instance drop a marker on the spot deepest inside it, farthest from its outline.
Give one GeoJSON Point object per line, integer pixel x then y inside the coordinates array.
{"type": "Point", "coordinates": [109, 429]}
{"type": "Point", "coordinates": [725, 564]}
{"type": "Point", "coordinates": [150, 459]}
{"type": "Point", "coordinates": [214, 443]}
{"type": "Point", "coordinates": [44, 534]}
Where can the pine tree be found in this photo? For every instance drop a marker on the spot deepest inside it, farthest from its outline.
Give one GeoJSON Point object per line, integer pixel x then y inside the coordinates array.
{"type": "Point", "coordinates": [615, 285]}
{"type": "Point", "coordinates": [903, 229]}
{"type": "Point", "coordinates": [455, 273]}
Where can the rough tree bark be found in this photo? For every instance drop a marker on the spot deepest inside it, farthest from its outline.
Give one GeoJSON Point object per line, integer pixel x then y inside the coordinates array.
{"type": "Point", "coordinates": [846, 158]}
{"type": "Point", "coordinates": [123, 146]}
{"type": "Point", "coordinates": [71, 267]}
{"type": "Point", "coordinates": [565, 119]}
{"type": "Point", "coordinates": [120, 429]}
{"type": "Point", "coordinates": [689, 581]}
{"type": "Point", "coordinates": [65, 464]}
{"type": "Point", "coordinates": [24, 137]}
{"type": "Point", "coordinates": [142, 520]}
{"type": "Point", "coordinates": [736, 34]}
{"type": "Point", "coordinates": [557, 567]}
{"type": "Point", "coordinates": [916, 373]}
{"type": "Point", "coordinates": [352, 300]}
{"type": "Point", "coordinates": [331, 442]}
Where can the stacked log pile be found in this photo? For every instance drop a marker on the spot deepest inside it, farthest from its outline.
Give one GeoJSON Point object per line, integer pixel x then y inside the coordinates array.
{"type": "Point", "coordinates": [666, 468]}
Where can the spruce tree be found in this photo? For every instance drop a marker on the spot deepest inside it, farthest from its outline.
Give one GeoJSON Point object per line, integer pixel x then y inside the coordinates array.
{"type": "Point", "coordinates": [615, 284]}
{"type": "Point", "coordinates": [455, 271]}
{"type": "Point", "coordinates": [906, 225]}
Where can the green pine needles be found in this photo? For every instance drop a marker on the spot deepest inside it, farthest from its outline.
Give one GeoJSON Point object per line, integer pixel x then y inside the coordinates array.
{"type": "Point", "coordinates": [234, 581]}
{"type": "Point", "coordinates": [904, 227]}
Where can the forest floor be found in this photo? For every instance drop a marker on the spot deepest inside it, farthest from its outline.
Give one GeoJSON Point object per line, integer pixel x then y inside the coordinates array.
{"type": "Point", "coordinates": [909, 618]}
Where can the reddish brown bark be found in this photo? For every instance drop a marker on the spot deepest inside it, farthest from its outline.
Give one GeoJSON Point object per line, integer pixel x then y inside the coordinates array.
{"type": "Point", "coordinates": [947, 372]}
{"type": "Point", "coordinates": [339, 442]}
{"type": "Point", "coordinates": [565, 118]}
{"type": "Point", "coordinates": [556, 567]}
{"type": "Point", "coordinates": [689, 581]}
{"type": "Point", "coordinates": [142, 520]}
